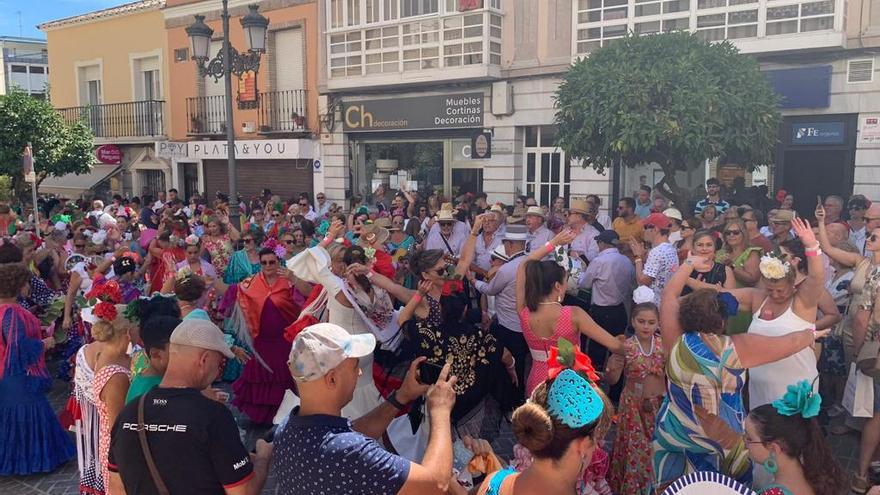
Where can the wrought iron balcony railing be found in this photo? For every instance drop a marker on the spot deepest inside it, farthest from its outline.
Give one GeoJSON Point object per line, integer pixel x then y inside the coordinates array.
{"type": "Point", "coordinates": [117, 120]}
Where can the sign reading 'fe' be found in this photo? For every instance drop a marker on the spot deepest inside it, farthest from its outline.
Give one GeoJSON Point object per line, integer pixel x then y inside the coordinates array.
{"type": "Point", "coordinates": [424, 112]}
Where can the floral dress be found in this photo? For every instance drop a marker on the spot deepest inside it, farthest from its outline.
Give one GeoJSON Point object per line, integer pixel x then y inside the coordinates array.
{"type": "Point", "coordinates": [220, 249]}
{"type": "Point", "coordinates": [631, 461]}
{"type": "Point", "coordinates": [101, 378]}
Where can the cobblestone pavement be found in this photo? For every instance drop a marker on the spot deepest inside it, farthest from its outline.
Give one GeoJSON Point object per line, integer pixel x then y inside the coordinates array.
{"type": "Point", "coordinates": [65, 481]}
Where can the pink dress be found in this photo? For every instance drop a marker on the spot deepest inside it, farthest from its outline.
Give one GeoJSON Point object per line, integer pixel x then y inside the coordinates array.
{"type": "Point", "coordinates": [540, 347]}
{"type": "Point", "coordinates": [104, 427]}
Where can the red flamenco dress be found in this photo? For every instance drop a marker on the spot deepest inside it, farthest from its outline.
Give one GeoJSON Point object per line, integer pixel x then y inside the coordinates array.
{"type": "Point", "coordinates": [31, 438]}
{"type": "Point", "coordinates": [266, 312]}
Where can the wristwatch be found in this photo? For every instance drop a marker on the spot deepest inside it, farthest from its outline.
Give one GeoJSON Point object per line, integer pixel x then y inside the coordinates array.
{"type": "Point", "coordinates": [392, 399]}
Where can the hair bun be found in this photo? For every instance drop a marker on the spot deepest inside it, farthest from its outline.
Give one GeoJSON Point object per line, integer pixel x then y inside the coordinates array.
{"type": "Point", "coordinates": [532, 426]}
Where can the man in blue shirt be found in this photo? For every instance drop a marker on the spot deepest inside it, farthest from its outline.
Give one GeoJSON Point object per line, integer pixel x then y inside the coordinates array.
{"type": "Point", "coordinates": [319, 452]}
{"type": "Point", "coordinates": [643, 202]}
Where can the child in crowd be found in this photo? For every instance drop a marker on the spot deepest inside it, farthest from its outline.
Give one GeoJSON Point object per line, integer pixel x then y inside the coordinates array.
{"type": "Point", "coordinates": [643, 367]}
{"type": "Point", "coordinates": [155, 335]}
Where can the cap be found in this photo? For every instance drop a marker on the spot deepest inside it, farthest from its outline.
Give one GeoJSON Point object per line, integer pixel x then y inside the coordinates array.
{"type": "Point", "coordinates": [322, 347]}
{"type": "Point", "coordinates": [608, 236]}
{"type": "Point", "coordinates": [516, 233]}
{"type": "Point", "coordinates": [535, 210]}
{"type": "Point", "coordinates": [657, 220]}
{"type": "Point", "coordinates": [202, 334]}
{"type": "Point", "coordinates": [673, 213]}
{"type": "Point", "coordinates": [123, 265]}
{"type": "Point", "coordinates": [782, 216]}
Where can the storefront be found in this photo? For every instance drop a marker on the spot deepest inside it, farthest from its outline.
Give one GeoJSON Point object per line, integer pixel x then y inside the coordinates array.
{"type": "Point", "coordinates": [282, 165]}
{"type": "Point", "coordinates": [422, 143]}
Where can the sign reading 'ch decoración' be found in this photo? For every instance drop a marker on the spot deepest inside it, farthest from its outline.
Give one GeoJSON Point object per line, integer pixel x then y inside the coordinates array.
{"type": "Point", "coordinates": [424, 112]}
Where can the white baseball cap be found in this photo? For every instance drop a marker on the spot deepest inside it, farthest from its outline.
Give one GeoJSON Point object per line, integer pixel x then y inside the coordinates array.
{"type": "Point", "coordinates": [322, 347]}
{"type": "Point", "coordinates": [202, 334]}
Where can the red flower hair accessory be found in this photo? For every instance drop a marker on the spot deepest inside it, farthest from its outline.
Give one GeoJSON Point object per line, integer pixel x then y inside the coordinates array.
{"type": "Point", "coordinates": [451, 287]}
{"type": "Point", "coordinates": [105, 311]}
{"type": "Point", "coordinates": [581, 361]}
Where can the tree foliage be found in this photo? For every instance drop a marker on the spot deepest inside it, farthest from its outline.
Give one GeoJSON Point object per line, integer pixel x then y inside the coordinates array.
{"type": "Point", "coordinates": [669, 98]}
{"type": "Point", "coordinates": [58, 148]}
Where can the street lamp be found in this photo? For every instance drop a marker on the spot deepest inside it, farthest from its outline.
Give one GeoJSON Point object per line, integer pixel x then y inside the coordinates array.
{"type": "Point", "coordinates": [227, 62]}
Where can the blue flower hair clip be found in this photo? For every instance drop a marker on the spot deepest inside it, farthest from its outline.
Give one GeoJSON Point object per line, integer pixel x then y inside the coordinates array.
{"type": "Point", "coordinates": [799, 399]}
{"type": "Point", "coordinates": [572, 398]}
{"type": "Point", "coordinates": [729, 304]}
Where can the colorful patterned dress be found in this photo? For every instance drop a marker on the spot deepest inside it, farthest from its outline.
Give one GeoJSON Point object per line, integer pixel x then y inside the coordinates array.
{"type": "Point", "coordinates": [631, 460]}
{"type": "Point", "coordinates": [105, 426]}
{"type": "Point", "coordinates": [220, 249]}
{"type": "Point", "coordinates": [700, 424]}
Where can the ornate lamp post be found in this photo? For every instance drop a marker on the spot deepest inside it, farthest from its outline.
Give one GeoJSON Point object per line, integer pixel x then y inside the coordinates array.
{"type": "Point", "coordinates": [227, 62]}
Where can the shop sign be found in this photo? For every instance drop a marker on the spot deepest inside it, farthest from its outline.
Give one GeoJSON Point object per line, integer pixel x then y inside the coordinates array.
{"type": "Point", "coordinates": [109, 154]}
{"type": "Point", "coordinates": [869, 129]}
{"type": "Point", "coordinates": [420, 113]}
{"type": "Point", "coordinates": [806, 133]}
{"type": "Point", "coordinates": [257, 149]}
{"type": "Point", "coordinates": [170, 149]}
{"type": "Point", "coordinates": [481, 145]}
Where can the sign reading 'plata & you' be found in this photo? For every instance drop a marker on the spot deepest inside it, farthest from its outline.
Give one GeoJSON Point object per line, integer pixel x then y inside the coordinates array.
{"type": "Point", "coordinates": [423, 112]}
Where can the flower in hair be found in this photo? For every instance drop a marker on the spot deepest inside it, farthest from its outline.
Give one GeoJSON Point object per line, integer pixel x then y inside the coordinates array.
{"type": "Point", "coordinates": [275, 246]}
{"type": "Point", "coordinates": [729, 304]}
{"type": "Point", "coordinates": [451, 287]}
{"type": "Point", "coordinates": [799, 399]}
{"type": "Point", "coordinates": [564, 356]}
{"type": "Point", "coordinates": [773, 267]}
{"type": "Point", "coordinates": [191, 240]}
{"type": "Point", "coordinates": [105, 311]}
{"type": "Point", "coordinates": [572, 398]}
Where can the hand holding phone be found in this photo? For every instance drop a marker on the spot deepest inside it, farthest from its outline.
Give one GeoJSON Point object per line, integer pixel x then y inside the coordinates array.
{"type": "Point", "coordinates": [429, 373]}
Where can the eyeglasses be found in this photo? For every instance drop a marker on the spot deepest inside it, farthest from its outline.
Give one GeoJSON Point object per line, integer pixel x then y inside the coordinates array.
{"type": "Point", "coordinates": [276, 214]}
{"type": "Point", "coordinates": [247, 241]}
{"type": "Point", "coordinates": [269, 262]}
{"type": "Point", "coordinates": [320, 197]}
{"type": "Point", "coordinates": [304, 204]}
{"type": "Point", "coordinates": [732, 232]}
{"type": "Point", "coordinates": [857, 208]}
{"type": "Point", "coordinates": [446, 224]}
{"type": "Point", "coordinates": [79, 246]}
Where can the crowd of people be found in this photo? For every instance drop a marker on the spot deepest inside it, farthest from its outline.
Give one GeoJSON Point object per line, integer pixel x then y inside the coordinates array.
{"type": "Point", "coordinates": [386, 342]}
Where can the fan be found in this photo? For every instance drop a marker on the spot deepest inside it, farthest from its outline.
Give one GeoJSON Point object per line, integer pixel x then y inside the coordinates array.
{"type": "Point", "coordinates": [704, 483]}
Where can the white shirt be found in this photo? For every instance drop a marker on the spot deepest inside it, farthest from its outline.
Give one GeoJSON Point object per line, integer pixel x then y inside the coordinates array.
{"type": "Point", "coordinates": [661, 264]}
{"type": "Point", "coordinates": [539, 238]}
{"type": "Point", "coordinates": [585, 242]}
{"type": "Point", "coordinates": [456, 240]}
{"type": "Point", "coordinates": [321, 211]}
{"type": "Point", "coordinates": [483, 257]}
{"type": "Point", "coordinates": [503, 287]}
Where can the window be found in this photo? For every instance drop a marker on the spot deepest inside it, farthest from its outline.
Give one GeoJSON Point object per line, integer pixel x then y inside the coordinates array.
{"type": "Point", "coordinates": [800, 18]}
{"type": "Point", "coordinates": [18, 69]}
{"type": "Point", "coordinates": [732, 25]}
{"type": "Point", "coordinates": [151, 85]}
{"type": "Point", "coordinates": [181, 54]}
{"type": "Point", "coordinates": [336, 8]}
{"type": "Point", "coordinates": [390, 12]}
{"type": "Point", "coordinates": [353, 18]}
{"type": "Point", "coordinates": [372, 11]}
{"type": "Point", "coordinates": [548, 173]}
{"type": "Point", "coordinates": [410, 8]}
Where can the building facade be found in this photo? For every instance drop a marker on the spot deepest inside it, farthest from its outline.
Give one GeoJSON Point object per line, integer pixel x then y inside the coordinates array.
{"type": "Point", "coordinates": [109, 70]}
{"type": "Point", "coordinates": [25, 65]}
{"type": "Point", "coordinates": [274, 108]}
{"type": "Point", "coordinates": [407, 85]}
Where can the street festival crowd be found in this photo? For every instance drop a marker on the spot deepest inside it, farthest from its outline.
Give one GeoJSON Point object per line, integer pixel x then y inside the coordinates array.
{"type": "Point", "coordinates": [384, 342]}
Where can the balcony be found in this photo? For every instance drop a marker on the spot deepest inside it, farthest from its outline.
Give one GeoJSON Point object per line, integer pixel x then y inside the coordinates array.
{"type": "Point", "coordinates": [134, 119]}
{"type": "Point", "coordinates": [283, 111]}
{"type": "Point", "coordinates": [434, 47]}
{"type": "Point", "coordinates": [206, 115]}
{"type": "Point", "coordinates": [753, 26]}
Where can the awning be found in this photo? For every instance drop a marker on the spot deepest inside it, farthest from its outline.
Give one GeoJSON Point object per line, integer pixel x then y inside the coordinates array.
{"type": "Point", "coordinates": [73, 185]}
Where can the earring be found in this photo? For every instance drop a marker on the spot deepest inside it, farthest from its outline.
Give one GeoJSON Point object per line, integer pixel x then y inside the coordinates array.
{"type": "Point", "coordinates": [770, 464]}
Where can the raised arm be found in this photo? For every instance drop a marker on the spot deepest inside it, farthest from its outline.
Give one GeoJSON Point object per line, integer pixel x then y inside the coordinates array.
{"type": "Point", "coordinates": [755, 350]}
{"type": "Point", "coordinates": [398, 291]}
{"type": "Point", "coordinates": [839, 255]}
{"type": "Point", "coordinates": [565, 236]}
{"type": "Point", "coordinates": [231, 231]}
{"type": "Point", "coordinates": [468, 251]}
{"type": "Point", "coordinates": [810, 289]}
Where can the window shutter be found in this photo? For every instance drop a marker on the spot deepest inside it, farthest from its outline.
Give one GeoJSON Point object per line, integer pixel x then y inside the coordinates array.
{"type": "Point", "coordinates": [860, 71]}
{"type": "Point", "coordinates": [289, 60]}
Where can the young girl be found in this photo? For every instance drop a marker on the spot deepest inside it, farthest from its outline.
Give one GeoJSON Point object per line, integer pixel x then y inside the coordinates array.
{"type": "Point", "coordinates": [642, 395]}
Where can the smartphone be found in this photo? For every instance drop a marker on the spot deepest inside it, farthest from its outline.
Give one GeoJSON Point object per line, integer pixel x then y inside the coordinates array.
{"type": "Point", "coordinates": [429, 373]}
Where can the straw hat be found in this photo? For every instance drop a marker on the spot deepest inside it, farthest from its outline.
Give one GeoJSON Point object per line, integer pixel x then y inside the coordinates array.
{"type": "Point", "coordinates": [445, 215]}
{"type": "Point", "coordinates": [383, 222]}
{"type": "Point", "coordinates": [536, 211]}
{"type": "Point", "coordinates": [500, 253]}
{"type": "Point", "coordinates": [372, 234]}
{"type": "Point", "coordinates": [673, 213]}
{"type": "Point", "coordinates": [579, 206]}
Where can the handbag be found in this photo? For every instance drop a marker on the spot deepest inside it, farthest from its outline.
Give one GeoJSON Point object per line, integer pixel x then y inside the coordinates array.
{"type": "Point", "coordinates": [867, 361]}
{"type": "Point", "coordinates": [145, 447]}
{"type": "Point", "coordinates": [858, 395]}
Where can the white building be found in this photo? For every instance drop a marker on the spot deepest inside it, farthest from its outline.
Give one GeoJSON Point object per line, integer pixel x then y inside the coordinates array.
{"type": "Point", "coordinates": [25, 65]}
{"type": "Point", "coordinates": [408, 83]}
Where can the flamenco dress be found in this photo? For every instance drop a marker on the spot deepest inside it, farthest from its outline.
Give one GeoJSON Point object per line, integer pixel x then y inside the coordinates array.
{"type": "Point", "coordinates": [31, 438]}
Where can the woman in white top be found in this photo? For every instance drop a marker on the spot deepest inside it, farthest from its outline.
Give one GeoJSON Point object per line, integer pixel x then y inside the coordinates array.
{"type": "Point", "coordinates": [783, 305]}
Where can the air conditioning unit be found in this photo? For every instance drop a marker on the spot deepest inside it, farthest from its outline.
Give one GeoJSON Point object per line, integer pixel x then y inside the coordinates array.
{"type": "Point", "coordinates": [860, 71]}
{"type": "Point", "coordinates": [502, 98]}
{"type": "Point", "coordinates": [248, 127]}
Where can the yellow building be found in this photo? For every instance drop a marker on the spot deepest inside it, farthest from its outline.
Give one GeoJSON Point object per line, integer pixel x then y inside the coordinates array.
{"type": "Point", "coordinates": [109, 69]}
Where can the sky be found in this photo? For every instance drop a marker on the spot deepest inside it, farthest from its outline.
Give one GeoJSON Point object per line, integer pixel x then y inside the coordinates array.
{"type": "Point", "coordinates": [34, 12]}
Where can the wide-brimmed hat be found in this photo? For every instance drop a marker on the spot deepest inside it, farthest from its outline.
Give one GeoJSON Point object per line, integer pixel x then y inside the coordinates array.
{"type": "Point", "coordinates": [202, 334]}
{"type": "Point", "coordinates": [536, 211]}
{"type": "Point", "coordinates": [384, 222]}
{"type": "Point", "coordinates": [673, 213]}
{"type": "Point", "coordinates": [516, 233]}
{"type": "Point", "coordinates": [448, 207]}
{"type": "Point", "coordinates": [579, 206]}
{"type": "Point", "coordinates": [781, 216]}
{"type": "Point", "coordinates": [498, 209]}
{"type": "Point", "coordinates": [373, 234]}
{"type": "Point", "coordinates": [500, 253]}
{"type": "Point", "coordinates": [445, 216]}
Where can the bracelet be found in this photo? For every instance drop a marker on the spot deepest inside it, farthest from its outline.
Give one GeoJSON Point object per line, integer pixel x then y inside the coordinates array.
{"type": "Point", "coordinates": [550, 247]}
{"type": "Point", "coordinates": [814, 247]}
{"type": "Point", "coordinates": [417, 297]}
{"type": "Point", "coordinates": [811, 254]}
{"type": "Point", "coordinates": [512, 364]}
{"type": "Point", "coordinates": [326, 240]}
{"type": "Point", "coordinates": [370, 274]}
{"type": "Point", "coordinates": [637, 260]}
{"type": "Point", "coordinates": [392, 399]}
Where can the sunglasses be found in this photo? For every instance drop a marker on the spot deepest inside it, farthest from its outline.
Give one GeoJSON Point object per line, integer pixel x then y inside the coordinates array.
{"type": "Point", "coordinates": [686, 227]}
{"type": "Point", "coordinates": [440, 271]}
{"type": "Point", "coordinates": [732, 232]}
{"type": "Point", "coordinates": [857, 208]}
{"type": "Point", "coordinates": [289, 242]}
{"type": "Point", "coordinates": [304, 204]}
{"type": "Point", "coordinates": [247, 241]}
{"type": "Point", "coordinates": [446, 224]}
{"type": "Point", "coordinates": [276, 214]}
{"type": "Point", "coordinates": [873, 238]}
{"type": "Point", "coordinates": [79, 246]}
{"type": "Point", "coordinates": [320, 197]}
{"type": "Point", "coordinates": [649, 227]}
{"type": "Point", "coordinates": [269, 262]}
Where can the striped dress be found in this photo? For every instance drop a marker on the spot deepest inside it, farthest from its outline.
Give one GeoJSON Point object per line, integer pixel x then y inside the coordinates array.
{"type": "Point", "coordinates": [700, 424]}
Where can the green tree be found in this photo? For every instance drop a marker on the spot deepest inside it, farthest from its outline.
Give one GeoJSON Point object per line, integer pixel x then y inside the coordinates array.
{"type": "Point", "coordinates": [58, 148]}
{"type": "Point", "coordinates": [669, 98]}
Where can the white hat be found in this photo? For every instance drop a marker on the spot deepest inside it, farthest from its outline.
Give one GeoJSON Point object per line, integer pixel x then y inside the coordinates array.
{"type": "Point", "coordinates": [500, 253]}
{"type": "Point", "coordinates": [673, 213]}
{"type": "Point", "coordinates": [203, 334]}
{"type": "Point", "coordinates": [643, 294]}
{"type": "Point", "coordinates": [445, 216]}
{"type": "Point", "coordinates": [322, 347]}
{"type": "Point", "coordinates": [535, 210]}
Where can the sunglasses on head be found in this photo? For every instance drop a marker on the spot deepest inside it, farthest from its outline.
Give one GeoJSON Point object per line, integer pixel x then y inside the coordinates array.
{"type": "Point", "coordinates": [268, 262]}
